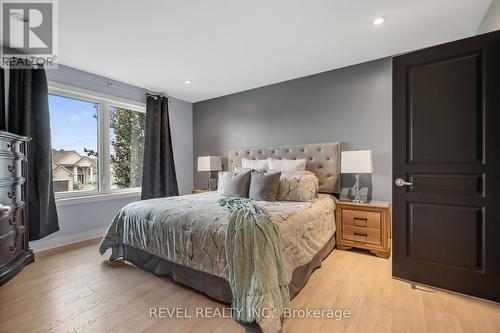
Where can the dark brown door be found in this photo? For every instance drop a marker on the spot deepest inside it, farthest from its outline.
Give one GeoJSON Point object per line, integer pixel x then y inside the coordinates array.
{"type": "Point", "coordinates": [446, 147]}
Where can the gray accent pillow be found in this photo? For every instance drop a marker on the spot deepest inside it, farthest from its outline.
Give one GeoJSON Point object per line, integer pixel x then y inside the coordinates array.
{"type": "Point", "coordinates": [264, 186]}
{"type": "Point", "coordinates": [237, 185]}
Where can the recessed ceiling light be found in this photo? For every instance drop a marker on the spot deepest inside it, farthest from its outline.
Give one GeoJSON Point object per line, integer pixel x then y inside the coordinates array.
{"type": "Point", "coordinates": [379, 20]}
{"type": "Point", "coordinates": [187, 82]}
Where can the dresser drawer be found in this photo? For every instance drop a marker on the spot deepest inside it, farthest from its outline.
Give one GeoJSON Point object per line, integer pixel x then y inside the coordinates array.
{"type": "Point", "coordinates": [362, 234]}
{"type": "Point", "coordinates": [11, 247]}
{"type": "Point", "coordinates": [11, 167]}
{"type": "Point", "coordinates": [12, 146]}
{"type": "Point", "coordinates": [360, 218]}
{"type": "Point", "coordinates": [11, 194]}
{"type": "Point", "coordinates": [16, 218]}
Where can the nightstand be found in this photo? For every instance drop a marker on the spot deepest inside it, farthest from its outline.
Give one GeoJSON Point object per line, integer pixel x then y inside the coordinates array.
{"type": "Point", "coordinates": [365, 226]}
{"type": "Point", "coordinates": [199, 190]}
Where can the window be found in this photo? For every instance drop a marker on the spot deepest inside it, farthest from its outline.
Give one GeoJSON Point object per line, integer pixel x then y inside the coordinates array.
{"type": "Point", "coordinates": [97, 143]}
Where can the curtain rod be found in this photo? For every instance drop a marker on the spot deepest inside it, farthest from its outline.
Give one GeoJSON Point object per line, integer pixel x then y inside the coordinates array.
{"type": "Point", "coordinates": [155, 96]}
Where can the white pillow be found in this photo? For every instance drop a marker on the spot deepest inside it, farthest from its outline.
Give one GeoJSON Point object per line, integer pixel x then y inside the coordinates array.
{"type": "Point", "coordinates": [254, 164]}
{"type": "Point", "coordinates": [286, 165]}
{"type": "Point", "coordinates": [243, 170]}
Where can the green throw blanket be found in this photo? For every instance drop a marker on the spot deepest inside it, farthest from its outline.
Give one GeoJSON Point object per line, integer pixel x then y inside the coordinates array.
{"type": "Point", "coordinates": [255, 262]}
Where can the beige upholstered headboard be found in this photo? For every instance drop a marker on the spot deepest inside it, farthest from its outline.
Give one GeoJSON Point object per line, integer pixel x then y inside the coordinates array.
{"type": "Point", "coordinates": [323, 159]}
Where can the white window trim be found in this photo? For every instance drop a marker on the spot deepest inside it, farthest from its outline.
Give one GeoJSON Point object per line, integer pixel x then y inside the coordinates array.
{"type": "Point", "coordinates": [115, 195]}
{"type": "Point", "coordinates": [103, 102]}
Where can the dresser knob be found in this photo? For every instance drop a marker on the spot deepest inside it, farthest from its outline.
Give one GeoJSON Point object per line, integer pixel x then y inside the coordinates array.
{"type": "Point", "coordinates": [11, 195]}
{"type": "Point", "coordinates": [13, 248]}
{"type": "Point", "coordinates": [12, 168]}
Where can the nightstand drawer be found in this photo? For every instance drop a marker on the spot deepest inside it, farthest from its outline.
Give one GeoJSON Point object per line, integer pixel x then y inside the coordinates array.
{"type": "Point", "coordinates": [360, 218]}
{"type": "Point", "coordinates": [362, 234]}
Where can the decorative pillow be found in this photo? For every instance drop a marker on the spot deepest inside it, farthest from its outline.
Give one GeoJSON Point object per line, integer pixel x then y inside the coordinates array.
{"type": "Point", "coordinates": [254, 164]}
{"type": "Point", "coordinates": [234, 184]}
{"type": "Point", "coordinates": [298, 186]}
{"type": "Point", "coordinates": [264, 186]}
{"type": "Point", "coordinates": [223, 176]}
{"type": "Point", "coordinates": [287, 165]}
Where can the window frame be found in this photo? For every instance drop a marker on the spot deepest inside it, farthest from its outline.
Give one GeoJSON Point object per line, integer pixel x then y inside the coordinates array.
{"type": "Point", "coordinates": [103, 102]}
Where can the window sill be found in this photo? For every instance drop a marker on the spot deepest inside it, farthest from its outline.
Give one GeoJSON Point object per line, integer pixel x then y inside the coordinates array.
{"type": "Point", "coordinates": [97, 197]}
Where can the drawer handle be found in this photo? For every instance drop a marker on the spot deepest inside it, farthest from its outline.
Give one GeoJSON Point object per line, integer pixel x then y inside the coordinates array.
{"type": "Point", "coordinates": [357, 233]}
{"type": "Point", "coordinates": [12, 168]}
{"type": "Point", "coordinates": [13, 248]}
{"type": "Point", "coordinates": [10, 145]}
{"type": "Point", "coordinates": [360, 221]}
{"type": "Point", "coordinates": [11, 195]}
{"type": "Point", "coordinates": [12, 221]}
{"type": "Point", "coordinates": [360, 237]}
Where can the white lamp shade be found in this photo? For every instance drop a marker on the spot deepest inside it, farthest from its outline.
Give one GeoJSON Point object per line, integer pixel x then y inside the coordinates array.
{"type": "Point", "coordinates": [209, 163]}
{"type": "Point", "coordinates": [359, 161]}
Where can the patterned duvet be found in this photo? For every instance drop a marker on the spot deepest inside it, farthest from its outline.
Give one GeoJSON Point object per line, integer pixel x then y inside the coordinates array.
{"type": "Point", "coordinates": [190, 230]}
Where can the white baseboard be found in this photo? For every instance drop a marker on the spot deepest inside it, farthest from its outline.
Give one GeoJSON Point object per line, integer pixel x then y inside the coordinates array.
{"type": "Point", "coordinates": [47, 244]}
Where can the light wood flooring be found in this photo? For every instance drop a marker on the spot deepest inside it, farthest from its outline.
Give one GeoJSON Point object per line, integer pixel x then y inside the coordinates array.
{"type": "Point", "coordinates": [77, 290]}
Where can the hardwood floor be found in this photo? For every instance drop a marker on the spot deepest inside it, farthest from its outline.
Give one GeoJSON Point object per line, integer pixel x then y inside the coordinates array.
{"type": "Point", "coordinates": [77, 290]}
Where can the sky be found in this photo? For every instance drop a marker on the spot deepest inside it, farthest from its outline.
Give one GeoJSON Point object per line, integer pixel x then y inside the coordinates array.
{"type": "Point", "coordinates": [73, 126]}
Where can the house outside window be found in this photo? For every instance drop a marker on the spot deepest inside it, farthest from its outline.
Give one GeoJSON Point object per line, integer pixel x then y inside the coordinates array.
{"type": "Point", "coordinates": [72, 171]}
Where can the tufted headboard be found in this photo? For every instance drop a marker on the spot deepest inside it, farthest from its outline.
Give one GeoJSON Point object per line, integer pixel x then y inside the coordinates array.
{"type": "Point", "coordinates": [323, 159]}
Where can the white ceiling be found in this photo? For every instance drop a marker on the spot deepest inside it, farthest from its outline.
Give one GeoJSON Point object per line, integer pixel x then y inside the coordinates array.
{"type": "Point", "coordinates": [235, 45]}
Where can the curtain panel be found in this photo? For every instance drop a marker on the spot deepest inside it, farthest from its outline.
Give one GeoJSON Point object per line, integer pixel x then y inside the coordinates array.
{"type": "Point", "coordinates": [28, 115]}
{"type": "Point", "coordinates": [159, 178]}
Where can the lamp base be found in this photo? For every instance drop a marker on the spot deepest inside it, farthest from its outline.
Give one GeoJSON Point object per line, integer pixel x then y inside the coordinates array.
{"type": "Point", "coordinates": [355, 190]}
{"type": "Point", "coordinates": [212, 180]}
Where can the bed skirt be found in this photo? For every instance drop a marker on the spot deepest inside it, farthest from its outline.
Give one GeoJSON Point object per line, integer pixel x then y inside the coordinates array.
{"type": "Point", "coordinates": [211, 285]}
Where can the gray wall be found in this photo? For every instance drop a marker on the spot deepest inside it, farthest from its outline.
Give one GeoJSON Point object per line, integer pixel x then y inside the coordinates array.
{"type": "Point", "coordinates": [491, 20]}
{"type": "Point", "coordinates": [181, 125]}
{"type": "Point", "coordinates": [350, 105]}
{"type": "Point", "coordinates": [82, 218]}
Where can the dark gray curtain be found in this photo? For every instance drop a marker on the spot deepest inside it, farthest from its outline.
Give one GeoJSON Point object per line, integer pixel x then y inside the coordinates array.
{"type": "Point", "coordinates": [3, 125]}
{"type": "Point", "coordinates": [158, 178]}
{"type": "Point", "coordinates": [29, 116]}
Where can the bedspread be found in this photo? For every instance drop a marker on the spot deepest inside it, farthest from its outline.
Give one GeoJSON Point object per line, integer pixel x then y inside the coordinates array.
{"type": "Point", "coordinates": [190, 230]}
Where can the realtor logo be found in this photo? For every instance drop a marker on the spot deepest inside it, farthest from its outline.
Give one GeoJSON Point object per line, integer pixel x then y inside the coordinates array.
{"type": "Point", "coordinates": [29, 32]}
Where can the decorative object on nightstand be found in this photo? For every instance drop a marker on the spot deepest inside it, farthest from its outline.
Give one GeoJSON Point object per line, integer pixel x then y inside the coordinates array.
{"type": "Point", "coordinates": [199, 190]}
{"type": "Point", "coordinates": [359, 161]}
{"type": "Point", "coordinates": [212, 164]}
{"type": "Point", "coordinates": [365, 226]}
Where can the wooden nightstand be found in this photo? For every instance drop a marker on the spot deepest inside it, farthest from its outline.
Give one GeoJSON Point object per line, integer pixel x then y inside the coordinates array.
{"type": "Point", "coordinates": [199, 190]}
{"type": "Point", "coordinates": [365, 226]}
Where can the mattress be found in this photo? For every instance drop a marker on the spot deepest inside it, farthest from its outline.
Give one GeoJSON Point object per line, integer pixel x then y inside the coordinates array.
{"type": "Point", "coordinates": [189, 231]}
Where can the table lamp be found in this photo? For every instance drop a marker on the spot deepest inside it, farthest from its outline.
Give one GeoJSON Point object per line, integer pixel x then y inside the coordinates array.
{"type": "Point", "coordinates": [210, 164]}
{"type": "Point", "coordinates": [359, 161]}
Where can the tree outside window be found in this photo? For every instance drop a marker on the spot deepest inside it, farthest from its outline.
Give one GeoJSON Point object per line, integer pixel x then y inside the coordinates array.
{"type": "Point", "coordinates": [127, 147]}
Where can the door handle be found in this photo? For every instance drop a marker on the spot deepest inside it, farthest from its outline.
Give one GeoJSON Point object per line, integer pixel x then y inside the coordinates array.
{"type": "Point", "coordinates": [401, 182]}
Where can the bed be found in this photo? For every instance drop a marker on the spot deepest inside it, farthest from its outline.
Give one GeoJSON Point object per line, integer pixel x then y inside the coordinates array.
{"type": "Point", "coordinates": [183, 237]}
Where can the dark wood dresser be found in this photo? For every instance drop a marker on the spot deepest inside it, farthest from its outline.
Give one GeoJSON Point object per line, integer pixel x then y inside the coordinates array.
{"type": "Point", "coordinates": [14, 249]}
